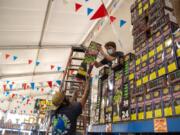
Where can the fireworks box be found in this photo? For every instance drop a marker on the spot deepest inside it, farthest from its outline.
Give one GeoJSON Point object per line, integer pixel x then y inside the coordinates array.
{"type": "Point", "coordinates": [145, 62]}
{"type": "Point", "coordinates": [160, 12]}
{"type": "Point", "coordinates": [158, 36]}
{"type": "Point", "coordinates": [137, 63]}
{"type": "Point", "coordinates": [117, 101]}
{"type": "Point", "coordinates": [161, 70]}
{"type": "Point", "coordinates": [158, 83]}
{"type": "Point", "coordinates": [103, 73]}
{"type": "Point", "coordinates": [131, 84]}
{"type": "Point", "coordinates": [141, 113]}
{"type": "Point", "coordinates": [152, 57]}
{"type": "Point", "coordinates": [153, 74]}
{"type": "Point", "coordinates": [157, 104]}
{"type": "Point", "coordinates": [167, 102]}
{"type": "Point", "coordinates": [160, 23]}
{"type": "Point", "coordinates": [169, 29]}
{"type": "Point", "coordinates": [174, 77]}
{"type": "Point", "coordinates": [141, 39]}
{"type": "Point", "coordinates": [177, 45]}
{"type": "Point", "coordinates": [145, 76]}
{"type": "Point", "coordinates": [176, 98]}
{"type": "Point", "coordinates": [138, 80]}
{"type": "Point", "coordinates": [148, 105]}
{"type": "Point", "coordinates": [118, 77]}
{"type": "Point", "coordinates": [159, 47]}
{"type": "Point", "coordinates": [129, 57]}
{"type": "Point", "coordinates": [125, 114]}
{"type": "Point", "coordinates": [160, 58]}
{"type": "Point", "coordinates": [168, 41]}
{"type": "Point", "coordinates": [133, 112]}
{"type": "Point", "coordinates": [90, 56]}
{"type": "Point", "coordinates": [169, 53]}
{"type": "Point", "coordinates": [172, 65]}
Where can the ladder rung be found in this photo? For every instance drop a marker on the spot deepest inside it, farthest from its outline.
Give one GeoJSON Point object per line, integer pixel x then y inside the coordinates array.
{"type": "Point", "coordinates": [73, 81]}
{"type": "Point", "coordinates": [73, 69]}
{"type": "Point", "coordinates": [78, 49]}
{"type": "Point", "coordinates": [77, 58]}
{"type": "Point", "coordinates": [74, 65]}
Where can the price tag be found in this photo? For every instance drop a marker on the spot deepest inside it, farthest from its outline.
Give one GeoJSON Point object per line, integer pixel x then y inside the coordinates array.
{"type": "Point", "coordinates": [140, 11]}
{"type": "Point", "coordinates": [168, 111]}
{"type": "Point", "coordinates": [146, 6]}
{"type": "Point", "coordinates": [145, 79]}
{"type": "Point", "coordinates": [161, 71]}
{"type": "Point", "coordinates": [172, 67]}
{"type": "Point", "coordinates": [151, 53]}
{"type": "Point", "coordinates": [131, 76]}
{"type": "Point", "coordinates": [138, 82]}
{"type": "Point", "coordinates": [153, 76]}
{"type": "Point", "coordinates": [144, 57]}
{"type": "Point", "coordinates": [178, 52]}
{"type": "Point", "coordinates": [151, 2]}
{"type": "Point", "coordinates": [160, 125]}
{"type": "Point", "coordinates": [159, 48]}
{"type": "Point", "coordinates": [138, 61]}
{"type": "Point", "coordinates": [149, 114]}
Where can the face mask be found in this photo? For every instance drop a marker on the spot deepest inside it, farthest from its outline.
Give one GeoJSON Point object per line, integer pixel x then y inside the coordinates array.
{"type": "Point", "coordinates": [110, 51]}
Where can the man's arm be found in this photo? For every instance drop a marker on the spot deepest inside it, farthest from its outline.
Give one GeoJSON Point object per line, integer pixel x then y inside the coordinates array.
{"type": "Point", "coordinates": [86, 93]}
{"type": "Point", "coordinates": [107, 57]}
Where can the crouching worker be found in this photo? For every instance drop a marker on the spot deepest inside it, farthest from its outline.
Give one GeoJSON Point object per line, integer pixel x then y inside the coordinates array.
{"type": "Point", "coordinates": [64, 117]}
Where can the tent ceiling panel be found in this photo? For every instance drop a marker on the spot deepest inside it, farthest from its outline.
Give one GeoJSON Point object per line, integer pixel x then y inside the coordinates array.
{"type": "Point", "coordinates": [21, 21]}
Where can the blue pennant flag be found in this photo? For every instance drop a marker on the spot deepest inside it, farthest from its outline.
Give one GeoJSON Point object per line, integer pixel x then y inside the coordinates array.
{"type": "Point", "coordinates": [23, 98]}
{"type": "Point", "coordinates": [58, 68]}
{"type": "Point", "coordinates": [14, 58]}
{"type": "Point", "coordinates": [33, 85]}
{"type": "Point", "coordinates": [89, 10]}
{"type": "Point", "coordinates": [7, 81]}
{"type": "Point", "coordinates": [7, 93]}
{"type": "Point", "coordinates": [122, 23]}
{"type": "Point", "coordinates": [11, 86]}
{"type": "Point", "coordinates": [37, 63]}
{"type": "Point", "coordinates": [58, 82]}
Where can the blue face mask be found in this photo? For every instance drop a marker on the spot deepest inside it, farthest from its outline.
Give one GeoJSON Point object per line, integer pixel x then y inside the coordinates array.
{"type": "Point", "coordinates": [110, 51]}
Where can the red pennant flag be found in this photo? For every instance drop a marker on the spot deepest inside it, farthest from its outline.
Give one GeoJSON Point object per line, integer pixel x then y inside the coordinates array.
{"type": "Point", "coordinates": [4, 86]}
{"type": "Point", "coordinates": [7, 56]}
{"type": "Point", "coordinates": [24, 85]}
{"type": "Point", "coordinates": [31, 111]}
{"type": "Point", "coordinates": [112, 19]}
{"type": "Point", "coordinates": [13, 82]}
{"type": "Point", "coordinates": [52, 66]}
{"type": "Point", "coordinates": [42, 90]}
{"type": "Point", "coordinates": [77, 6]}
{"type": "Point", "coordinates": [29, 61]}
{"type": "Point", "coordinates": [13, 95]}
{"type": "Point", "coordinates": [50, 84]}
{"type": "Point", "coordinates": [101, 12]}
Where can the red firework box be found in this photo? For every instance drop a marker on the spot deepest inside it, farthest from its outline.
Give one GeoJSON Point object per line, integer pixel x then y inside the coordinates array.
{"type": "Point", "coordinates": [167, 102]}
{"type": "Point", "coordinates": [157, 103]}
{"type": "Point", "coordinates": [148, 105]}
{"type": "Point", "coordinates": [176, 98]}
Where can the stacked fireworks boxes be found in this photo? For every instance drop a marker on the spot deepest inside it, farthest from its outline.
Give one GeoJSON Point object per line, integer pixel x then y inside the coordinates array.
{"type": "Point", "coordinates": [128, 84]}
{"type": "Point", "coordinates": [156, 59]}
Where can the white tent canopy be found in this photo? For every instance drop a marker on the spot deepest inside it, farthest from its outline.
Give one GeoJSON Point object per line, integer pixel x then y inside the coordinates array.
{"type": "Point", "coordinates": [44, 31]}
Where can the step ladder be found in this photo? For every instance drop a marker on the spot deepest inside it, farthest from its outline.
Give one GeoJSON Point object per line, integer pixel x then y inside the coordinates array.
{"type": "Point", "coordinates": [70, 84]}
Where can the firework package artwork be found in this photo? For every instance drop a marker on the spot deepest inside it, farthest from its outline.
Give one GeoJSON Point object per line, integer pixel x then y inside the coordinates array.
{"type": "Point", "coordinates": [90, 57]}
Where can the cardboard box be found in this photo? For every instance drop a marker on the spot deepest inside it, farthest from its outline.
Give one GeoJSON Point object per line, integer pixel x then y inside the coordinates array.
{"type": "Point", "coordinates": [157, 105]}
{"type": "Point", "coordinates": [167, 105]}
{"type": "Point", "coordinates": [172, 65]}
{"type": "Point", "coordinates": [152, 74]}
{"type": "Point", "coordinates": [176, 99]}
{"type": "Point", "coordinates": [161, 70]}
{"type": "Point", "coordinates": [133, 112]}
{"type": "Point", "coordinates": [158, 83]}
{"type": "Point", "coordinates": [174, 77]}
{"type": "Point", "coordinates": [149, 110]}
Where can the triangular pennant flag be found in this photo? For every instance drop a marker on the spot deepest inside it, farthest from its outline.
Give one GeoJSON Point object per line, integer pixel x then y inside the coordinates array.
{"type": "Point", "coordinates": [101, 12]}
{"type": "Point", "coordinates": [11, 86]}
{"type": "Point", "coordinates": [122, 22]}
{"type": "Point", "coordinates": [27, 101]}
{"type": "Point", "coordinates": [42, 90]}
{"type": "Point", "coordinates": [52, 66]}
{"type": "Point", "coordinates": [7, 81]}
{"type": "Point", "coordinates": [13, 82]}
{"type": "Point", "coordinates": [29, 61]}
{"type": "Point", "coordinates": [37, 63]}
{"type": "Point", "coordinates": [32, 85]}
{"type": "Point", "coordinates": [24, 85]}
{"type": "Point", "coordinates": [112, 19]}
{"type": "Point", "coordinates": [58, 68]}
{"type": "Point", "coordinates": [14, 58]}
{"type": "Point", "coordinates": [50, 84]}
{"type": "Point", "coordinates": [58, 82]}
{"type": "Point", "coordinates": [77, 6]}
{"type": "Point", "coordinates": [7, 56]}
{"type": "Point", "coordinates": [13, 95]}
{"type": "Point", "coordinates": [4, 86]}
{"type": "Point", "coordinates": [89, 10]}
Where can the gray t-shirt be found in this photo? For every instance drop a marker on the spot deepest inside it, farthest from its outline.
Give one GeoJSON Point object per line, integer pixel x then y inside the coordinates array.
{"type": "Point", "coordinates": [64, 119]}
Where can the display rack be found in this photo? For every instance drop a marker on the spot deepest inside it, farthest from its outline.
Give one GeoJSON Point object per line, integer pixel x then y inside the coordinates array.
{"type": "Point", "coordinates": [144, 126]}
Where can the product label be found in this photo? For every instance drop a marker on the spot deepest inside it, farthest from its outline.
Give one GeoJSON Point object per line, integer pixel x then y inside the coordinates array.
{"type": "Point", "coordinates": [177, 109]}
{"type": "Point", "coordinates": [133, 116]}
{"type": "Point", "coordinates": [139, 82]}
{"type": "Point", "coordinates": [141, 115]}
{"type": "Point", "coordinates": [153, 76]}
{"type": "Point", "coordinates": [145, 79]}
{"type": "Point", "coordinates": [138, 61]}
{"type": "Point", "coordinates": [144, 57]}
{"type": "Point", "coordinates": [168, 111]}
{"type": "Point", "coordinates": [131, 76]}
{"type": "Point", "coordinates": [159, 48]}
{"type": "Point", "coordinates": [158, 113]}
{"type": "Point", "coordinates": [151, 53]}
{"type": "Point", "coordinates": [172, 67]}
{"type": "Point", "coordinates": [161, 71]}
{"type": "Point", "coordinates": [146, 6]}
{"type": "Point", "coordinates": [149, 115]}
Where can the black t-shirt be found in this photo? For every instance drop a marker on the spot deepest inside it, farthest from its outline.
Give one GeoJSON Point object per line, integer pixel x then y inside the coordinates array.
{"type": "Point", "coordinates": [64, 119]}
{"type": "Point", "coordinates": [116, 54]}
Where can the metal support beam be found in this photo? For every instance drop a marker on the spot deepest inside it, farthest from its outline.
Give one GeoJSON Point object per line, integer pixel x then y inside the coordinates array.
{"type": "Point", "coordinates": [26, 47]}
{"type": "Point", "coordinates": [29, 74]}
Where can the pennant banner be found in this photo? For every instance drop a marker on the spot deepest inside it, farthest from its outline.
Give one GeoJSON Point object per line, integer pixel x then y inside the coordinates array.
{"type": "Point", "coordinates": [77, 6]}
{"type": "Point", "coordinates": [101, 12]}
